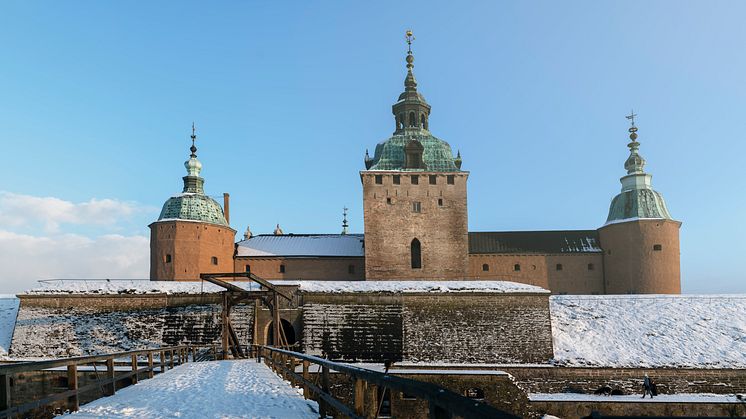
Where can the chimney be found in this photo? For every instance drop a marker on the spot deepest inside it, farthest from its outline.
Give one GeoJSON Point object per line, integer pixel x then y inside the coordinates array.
{"type": "Point", "coordinates": [227, 207]}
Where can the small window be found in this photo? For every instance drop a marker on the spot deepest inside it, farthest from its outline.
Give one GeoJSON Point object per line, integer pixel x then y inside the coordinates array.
{"type": "Point", "coordinates": [415, 180]}
{"type": "Point", "coordinates": [407, 396]}
{"type": "Point", "coordinates": [559, 266]}
{"type": "Point", "coordinates": [351, 269]}
{"type": "Point", "coordinates": [608, 252]}
{"type": "Point", "coordinates": [657, 247]}
{"type": "Point", "coordinates": [388, 201]}
{"type": "Point", "coordinates": [485, 267]}
{"type": "Point", "coordinates": [168, 258]}
{"type": "Point", "coordinates": [450, 179]}
{"type": "Point", "coordinates": [379, 179]}
{"type": "Point", "coordinates": [282, 269]}
{"type": "Point", "coordinates": [474, 393]}
{"type": "Point", "coordinates": [417, 206]}
{"type": "Point", "coordinates": [397, 179]}
{"type": "Point", "coordinates": [433, 179]}
{"type": "Point", "coordinates": [591, 267]}
{"type": "Point", "coordinates": [248, 268]}
{"type": "Point", "coordinates": [214, 260]}
{"type": "Point", "coordinates": [517, 267]}
{"type": "Point", "coordinates": [440, 202]}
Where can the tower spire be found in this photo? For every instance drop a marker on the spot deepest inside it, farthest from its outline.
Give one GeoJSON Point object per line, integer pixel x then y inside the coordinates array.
{"type": "Point", "coordinates": [410, 110]}
{"type": "Point", "coordinates": [193, 148]}
{"type": "Point", "coordinates": [635, 162]}
{"type": "Point", "coordinates": [192, 181]}
{"type": "Point", "coordinates": [345, 226]}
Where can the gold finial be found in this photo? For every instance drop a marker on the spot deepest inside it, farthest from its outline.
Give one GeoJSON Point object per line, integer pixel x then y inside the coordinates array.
{"type": "Point", "coordinates": [632, 129]}
{"type": "Point", "coordinates": [409, 36]}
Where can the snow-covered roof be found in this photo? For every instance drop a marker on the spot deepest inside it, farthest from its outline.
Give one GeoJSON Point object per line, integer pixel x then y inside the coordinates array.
{"type": "Point", "coordinates": [650, 330]}
{"type": "Point", "coordinates": [338, 287]}
{"type": "Point", "coordinates": [543, 242]}
{"type": "Point", "coordinates": [310, 245]}
{"type": "Point", "coordinates": [130, 286]}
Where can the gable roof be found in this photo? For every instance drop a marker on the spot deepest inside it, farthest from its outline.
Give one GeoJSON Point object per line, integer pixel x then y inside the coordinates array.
{"type": "Point", "coordinates": [563, 241]}
{"type": "Point", "coordinates": [307, 245]}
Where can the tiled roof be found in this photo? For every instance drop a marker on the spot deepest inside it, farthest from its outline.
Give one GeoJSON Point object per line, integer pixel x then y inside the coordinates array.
{"type": "Point", "coordinates": [309, 245]}
{"type": "Point", "coordinates": [437, 154]}
{"type": "Point", "coordinates": [545, 242]}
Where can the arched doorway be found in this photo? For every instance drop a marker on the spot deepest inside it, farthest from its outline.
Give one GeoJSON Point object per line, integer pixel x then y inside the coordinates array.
{"type": "Point", "coordinates": [288, 330]}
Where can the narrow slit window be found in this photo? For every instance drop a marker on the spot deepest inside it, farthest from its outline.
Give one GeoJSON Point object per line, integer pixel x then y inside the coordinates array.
{"type": "Point", "coordinates": [282, 269]}
{"type": "Point", "coordinates": [416, 254]}
{"type": "Point", "coordinates": [214, 260]}
{"type": "Point", "coordinates": [485, 267]}
{"type": "Point", "coordinates": [517, 267]}
{"type": "Point", "coordinates": [168, 258]}
{"type": "Point", "coordinates": [248, 268]}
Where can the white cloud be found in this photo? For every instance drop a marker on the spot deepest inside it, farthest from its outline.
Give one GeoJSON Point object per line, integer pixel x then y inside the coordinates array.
{"type": "Point", "coordinates": [17, 210]}
{"type": "Point", "coordinates": [24, 259]}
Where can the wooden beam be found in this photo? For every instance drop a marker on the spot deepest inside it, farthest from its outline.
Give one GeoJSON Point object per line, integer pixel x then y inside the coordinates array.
{"type": "Point", "coordinates": [73, 402]}
{"type": "Point", "coordinates": [110, 389]}
{"type": "Point", "coordinates": [4, 392]}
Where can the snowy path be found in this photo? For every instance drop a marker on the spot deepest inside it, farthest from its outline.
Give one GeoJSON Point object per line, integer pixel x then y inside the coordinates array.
{"type": "Point", "coordinates": [217, 389]}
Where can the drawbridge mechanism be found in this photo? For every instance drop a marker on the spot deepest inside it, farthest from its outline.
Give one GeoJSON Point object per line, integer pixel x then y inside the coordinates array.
{"type": "Point", "coordinates": [234, 295]}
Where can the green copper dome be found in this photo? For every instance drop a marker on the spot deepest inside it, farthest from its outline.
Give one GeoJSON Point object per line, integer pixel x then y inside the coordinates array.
{"type": "Point", "coordinates": [436, 155]}
{"type": "Point", "coordinates": [637, 200]}
{"type": "Point", "coordinates": [192, 204]}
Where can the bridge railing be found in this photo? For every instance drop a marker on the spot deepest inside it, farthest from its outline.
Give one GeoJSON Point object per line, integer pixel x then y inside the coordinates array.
{"type": "Point", "coordinates": [116, 369]}
{"type": "Point", "coordinates": [442, 403]}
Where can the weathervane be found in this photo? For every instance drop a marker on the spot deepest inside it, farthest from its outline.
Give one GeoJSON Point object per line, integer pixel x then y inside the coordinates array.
{"type": "Point", "coordinates": [193, 148]}
{"type": "Point", "coordinates": [345, 226]}
{"type": "Point", "coordinates": [633, 129]}
{"type": "Point", "coordinates": [631, 117]}
{"type": "Point", "coordinates": [409, 36]}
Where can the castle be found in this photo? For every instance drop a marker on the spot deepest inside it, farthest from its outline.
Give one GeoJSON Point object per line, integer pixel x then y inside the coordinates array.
{"type": "Point", "coordinates": [415, 216]}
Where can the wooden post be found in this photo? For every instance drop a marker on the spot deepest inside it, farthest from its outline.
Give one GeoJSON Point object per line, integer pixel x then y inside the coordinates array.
{"type": "Point", "coordinates": [224, 319]}
{"type": "Point", "coordinates": [134, 369]}
{"type": "Point", "coordinates": [171, 358]}
{"type": "Point", "coordinates": [163, 361]}
{"type": "Point", "coordinates": [151, 373]}
{"type": "Point", "coordinates": [372, 401]}
{"type": "Point", "coordinates": [73, 403]}
{"type": "Point", "coordinates": [325, 388]}
{"type": "Point", "coordinates": [306, 377]}
{"type": "Point", "coordinates": [276, 320]}
{"type": "Point", "coordinates": [110, 388]}
{"type": "Point", "coordinates": [4, 392]}
{"type": "Point", "coordinates": [359, 397]}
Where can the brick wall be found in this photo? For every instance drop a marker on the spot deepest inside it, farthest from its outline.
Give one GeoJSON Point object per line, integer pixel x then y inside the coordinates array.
{"type": "Point", "coordinates": [319, 268]}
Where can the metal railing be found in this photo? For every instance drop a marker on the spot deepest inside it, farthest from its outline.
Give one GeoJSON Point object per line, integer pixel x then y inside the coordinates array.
{"type": "Point", "coordinates": [442, 403]}
{"type": "Point", "coordinates": [116, 367]}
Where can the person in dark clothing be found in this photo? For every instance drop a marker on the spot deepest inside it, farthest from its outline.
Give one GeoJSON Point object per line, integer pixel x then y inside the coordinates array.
{"type": "Point", "coordinates": [647, 387]}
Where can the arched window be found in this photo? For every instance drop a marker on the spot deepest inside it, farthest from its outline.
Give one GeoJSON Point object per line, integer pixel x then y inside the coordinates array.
{"type": "Point", "coordinates": [485, 267]}
{"type": "Point", "coordinates": [412, 120]}
{"type": "Point", "coordinates": [422, 121]}
{"type": "Point", "coordinates": [517, 267]}
{"type": "Point", "coordinates": [416, 254]}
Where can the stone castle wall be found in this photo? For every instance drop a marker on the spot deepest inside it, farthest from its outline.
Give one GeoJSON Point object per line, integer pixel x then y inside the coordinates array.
{"type": "Point", "coordinates": [467, 328]}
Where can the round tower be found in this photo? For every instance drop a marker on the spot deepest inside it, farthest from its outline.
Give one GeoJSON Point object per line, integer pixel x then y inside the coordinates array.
{"type": "Point", "coordinates": [640, 238]}
{"type": "Point", "coordinates": [191, 235]}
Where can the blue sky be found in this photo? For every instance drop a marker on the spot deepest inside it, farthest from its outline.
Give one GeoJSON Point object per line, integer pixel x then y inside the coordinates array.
{"type": "Point", "coordinates": [97, 100]}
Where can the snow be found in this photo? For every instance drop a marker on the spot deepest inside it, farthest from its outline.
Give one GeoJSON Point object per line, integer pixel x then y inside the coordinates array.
{"type": "Point", "coordinates": [130, 286]}
{"type": "Point", "coordinates": [626, 220]}
{"type": "Point", "coordinates": [413, 286]}
{"type": "Point", "coordinates": [82, 286]}
{"type": "Point", "coordinates": [635, 398]}
{"type": "Point", "coordinates": [8, 312]}
{"type": "Point", "coordinates": [311, 245]}
{"type": "Point", "coordinates": [216, 389]}
{"type": "Point", "coordinates": [699, 331]}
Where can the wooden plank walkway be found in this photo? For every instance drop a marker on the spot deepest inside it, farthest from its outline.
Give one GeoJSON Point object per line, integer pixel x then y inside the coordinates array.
{"type": "Point", "coordinates": [214, 389]}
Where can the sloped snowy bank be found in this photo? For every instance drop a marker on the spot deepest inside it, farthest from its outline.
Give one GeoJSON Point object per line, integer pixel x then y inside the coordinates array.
{"type": "Point", "coordinates": [702, 331]}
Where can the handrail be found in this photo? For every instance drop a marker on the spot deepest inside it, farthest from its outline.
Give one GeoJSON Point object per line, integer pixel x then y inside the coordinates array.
{"type": "Point", "coordinates": [168, 358]}
{"type": "Point", "coordinates": [439, 399]}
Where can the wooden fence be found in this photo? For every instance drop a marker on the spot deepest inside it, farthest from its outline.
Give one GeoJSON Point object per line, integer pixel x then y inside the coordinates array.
{"type": "Point", "coordinates": [137, 365]}
{"type": "Point", "coordinates": [442, 403]}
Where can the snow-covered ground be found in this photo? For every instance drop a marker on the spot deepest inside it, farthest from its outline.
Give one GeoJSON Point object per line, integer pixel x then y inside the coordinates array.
{"type": "Point", "coordinates": [82, 286]}
{"type": "Point", "coordinates": [635, 398]}
{"type": "Point", "coordinates": [217, 389]}
{"type": "Point", "coordinates": [702, 331]}
{"type": "Point", "coordinates": [8, 312]}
